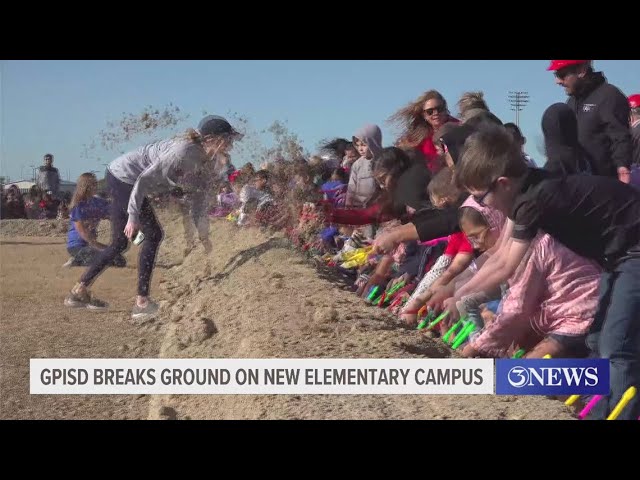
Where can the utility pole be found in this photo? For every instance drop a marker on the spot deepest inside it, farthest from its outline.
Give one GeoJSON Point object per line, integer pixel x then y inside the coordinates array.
{"type": "Point", "coordinates": [518, 100]}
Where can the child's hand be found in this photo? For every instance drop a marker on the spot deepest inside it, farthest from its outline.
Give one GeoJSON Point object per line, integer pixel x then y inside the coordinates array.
{"type": "Point", "coordinates": [513, 348]}
{"type": "Point", "coordinates": [397, 307]}
{"type": "Point", "coordinates": [450, 305]}
{"type": "Point", "coordinates": [436, 302]}
{"type": "Point", "coordinates": [375, 279]}
{"type": "Point", "coordinates": [469, 351]}
{"type": "Point", "coordinates": [394, 281]}
{"type": "Point", "coordinates": [385, 243]}
{"type": "Point", "coordinates": [487, 316]}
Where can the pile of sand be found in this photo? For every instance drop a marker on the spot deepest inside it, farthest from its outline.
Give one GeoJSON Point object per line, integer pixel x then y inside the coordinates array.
{"type": "Point", "coordinates": [255, 297]}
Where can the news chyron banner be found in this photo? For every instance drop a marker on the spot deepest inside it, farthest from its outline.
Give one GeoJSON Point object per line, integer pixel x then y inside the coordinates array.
{"type": "Point", "coordinates": [262, 376]}
{"type": "Point", "coordinates": [320, 376]}
{"type": "Point", "coordinates": [552, 377]}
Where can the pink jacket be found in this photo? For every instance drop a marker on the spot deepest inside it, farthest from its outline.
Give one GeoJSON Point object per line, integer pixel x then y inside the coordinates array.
{"type": "Point", "coordinates": [553, 291]}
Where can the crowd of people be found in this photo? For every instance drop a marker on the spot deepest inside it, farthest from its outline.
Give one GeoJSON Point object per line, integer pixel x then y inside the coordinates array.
{"type": "Point", "coordinates": [44, 200]}
{"type": "Point", "coordinates": [455, 220]}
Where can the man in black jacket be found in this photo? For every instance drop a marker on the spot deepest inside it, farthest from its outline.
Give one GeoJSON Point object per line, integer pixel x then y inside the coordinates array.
{"type": "Point", "coordinates": [634, 122]}
{"type": "Point", "coordinates": [49, 177]}
{"type": "Point", "coordinates": [602, 111]}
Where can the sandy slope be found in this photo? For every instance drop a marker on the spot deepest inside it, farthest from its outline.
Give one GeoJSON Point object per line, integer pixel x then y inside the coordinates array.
{"type": "Point", "coordinates": [254, 297]}
{"type": "Point", "coordinates": [257, 298]}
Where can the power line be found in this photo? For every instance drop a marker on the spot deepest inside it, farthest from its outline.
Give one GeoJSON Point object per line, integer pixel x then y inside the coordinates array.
{"type": "Point", "coordinates": [518, 100]}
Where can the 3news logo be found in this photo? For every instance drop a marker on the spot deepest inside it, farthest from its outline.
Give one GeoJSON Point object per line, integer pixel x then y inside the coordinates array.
{"type": "Point", "coordinates": [552, 377]}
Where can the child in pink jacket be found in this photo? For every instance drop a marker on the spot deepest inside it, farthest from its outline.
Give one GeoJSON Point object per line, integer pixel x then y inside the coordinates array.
{"type": "Point", "coordinates": [549, 306]}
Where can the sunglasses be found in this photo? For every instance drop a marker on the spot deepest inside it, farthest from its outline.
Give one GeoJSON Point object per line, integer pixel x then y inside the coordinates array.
{"type": "Point", "coordinates": [565, 72]}
{"type": "Point", "coordinates": [480, 198]}
{"type": "Point", "coordinates": [431, 111]}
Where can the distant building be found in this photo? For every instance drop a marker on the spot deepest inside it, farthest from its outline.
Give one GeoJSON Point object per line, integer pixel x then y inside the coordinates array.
{"type": "Point", "coordinates": [67, 187]}
{"type": "Point", "coordinates": [25, 185]}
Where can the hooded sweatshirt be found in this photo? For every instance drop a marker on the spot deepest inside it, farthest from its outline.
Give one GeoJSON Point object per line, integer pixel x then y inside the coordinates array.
{"type": "Point", "coordinates": [362, 185]}
{"type": "Point", "coordinates": [157, 168]}
{"type": "Point", "coordinates": [564, 154]}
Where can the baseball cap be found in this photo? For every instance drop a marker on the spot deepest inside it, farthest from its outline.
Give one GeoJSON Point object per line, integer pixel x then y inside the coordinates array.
{"type": "Point", "coordinates": [216, 125]}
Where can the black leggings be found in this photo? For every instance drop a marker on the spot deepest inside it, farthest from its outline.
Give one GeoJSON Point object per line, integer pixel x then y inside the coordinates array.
{"type": "Point", "coordinates": [120, 193]}
{"type": "Point", "coordinates": [85, 256]}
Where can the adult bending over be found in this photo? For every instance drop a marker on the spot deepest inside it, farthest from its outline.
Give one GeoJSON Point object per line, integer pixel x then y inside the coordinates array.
{"type": "Point", "coordinates": [151, 169]}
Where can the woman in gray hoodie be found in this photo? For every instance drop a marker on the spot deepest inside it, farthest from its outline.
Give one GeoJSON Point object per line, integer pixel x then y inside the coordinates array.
{"type": "Point", "coordinates": [155, 168]}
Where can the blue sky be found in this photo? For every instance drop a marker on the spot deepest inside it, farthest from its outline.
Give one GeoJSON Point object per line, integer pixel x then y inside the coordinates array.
{"type": "Point", "coordinates": [59, 106]}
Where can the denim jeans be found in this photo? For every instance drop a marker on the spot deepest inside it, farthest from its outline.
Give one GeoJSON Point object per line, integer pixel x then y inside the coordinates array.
{"type": "Point", "coordinates": [615, 334]}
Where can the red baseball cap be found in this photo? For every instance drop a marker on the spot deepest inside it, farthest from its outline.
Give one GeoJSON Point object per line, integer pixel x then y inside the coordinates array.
{"type": "Point", "coordinates": [558, 64]}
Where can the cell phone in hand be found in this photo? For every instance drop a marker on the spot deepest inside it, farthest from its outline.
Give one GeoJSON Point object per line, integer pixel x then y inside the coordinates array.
{"type": "Point", "coordinates": [139, 238]}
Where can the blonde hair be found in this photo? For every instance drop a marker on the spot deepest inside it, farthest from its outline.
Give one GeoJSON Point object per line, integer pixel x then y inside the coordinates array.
{"type": "Point", "coordinates": [471, 101]}
{"type": "Point", "coordinates": [193, 135]}
{"type": "Point", "coordinates": [83, 188]}
{"type": "Point", "coordinates": [411, 119]}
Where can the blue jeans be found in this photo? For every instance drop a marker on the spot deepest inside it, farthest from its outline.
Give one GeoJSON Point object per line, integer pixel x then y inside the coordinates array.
{"type": "Point", "coordinates": [615, 334]}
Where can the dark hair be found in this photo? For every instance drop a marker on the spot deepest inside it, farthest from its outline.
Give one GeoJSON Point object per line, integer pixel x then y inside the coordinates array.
{"type": "Point", "coordinates": [263, 174]}
{"type": "Point", "coordinates": [350, 146]}
{"type": "Point", "coordinates": [515, 131]}
{"type": "Point", "coordinates": [35, 193]}
{"type": "Point", "coordinates": [473, 216]}
{"type": "Point", "coordinates": [48, 155]}
{"type": "Point", "coordinates": [393, 161]}
{"type": "Point", "coordinates": [337, 145]}
{"type": "Point", "coordinates": [482, 119]}
{"type": "Point", "coordinates": [341, 173]}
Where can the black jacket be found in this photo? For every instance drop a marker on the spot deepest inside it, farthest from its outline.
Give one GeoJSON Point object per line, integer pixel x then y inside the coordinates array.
{"type": "Point", "coordinates": [602, 112]}
{"type": "Point", "coordinates": [49, 179]}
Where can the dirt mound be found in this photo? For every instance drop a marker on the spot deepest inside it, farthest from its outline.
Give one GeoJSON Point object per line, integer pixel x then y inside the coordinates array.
{"type": "Point", "coordinates": [255, 297]}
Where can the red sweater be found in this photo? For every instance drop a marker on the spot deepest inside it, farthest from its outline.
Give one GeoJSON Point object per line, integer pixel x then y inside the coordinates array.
{"type": "Point", "coordinates": [358, 216]}
{"type": "Point", "coordinates": [428, 149]}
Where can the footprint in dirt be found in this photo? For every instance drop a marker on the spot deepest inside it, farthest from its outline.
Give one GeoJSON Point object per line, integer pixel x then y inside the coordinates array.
{"type": "Point", "coordinates": [429, 350]}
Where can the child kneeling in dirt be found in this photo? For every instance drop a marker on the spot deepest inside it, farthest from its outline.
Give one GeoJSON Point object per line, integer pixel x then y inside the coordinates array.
{"type": "Point", "coordinates": [86, 212]}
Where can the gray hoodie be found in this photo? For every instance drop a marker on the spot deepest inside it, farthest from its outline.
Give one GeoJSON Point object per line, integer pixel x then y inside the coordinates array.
{"type": "Point", "coordinates": [157, 168]}
{"type": "Point", "coordinates": [362, 184]}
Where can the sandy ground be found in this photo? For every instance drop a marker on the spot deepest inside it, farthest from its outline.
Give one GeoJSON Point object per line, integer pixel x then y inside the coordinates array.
{"type": "Point", "coordinates": [254, 297]}
{"type": "Point", "coordinates": [34, 323]}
